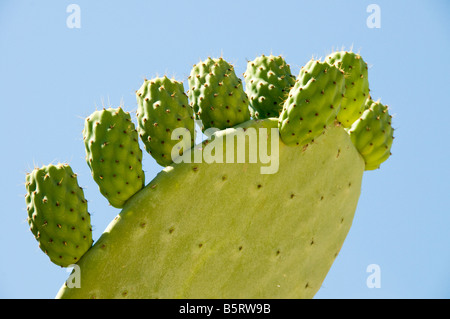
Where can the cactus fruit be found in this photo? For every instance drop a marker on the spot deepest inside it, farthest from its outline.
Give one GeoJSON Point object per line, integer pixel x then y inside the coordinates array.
{"type": "Point", "coordinates": [217, 94]}
{"type": "Point", "coordinates": [113, 154]}
{"type": "Point", "coordinates": [356, 85]}
{"type": "Point", "coordinates": [57, 213]}
{"type": "Point", "coordinates": [214, 227]}
{"type": "Point", "coordinates": [372, 134]}
{"type": "Point", "coordinates": [268, 80]}
{"type": "Point", "coordinates": [247, 236]}
{"type": "Point", "coordinates": [313, 103]}
{"type": "Point", "coordinates": [162, 107]}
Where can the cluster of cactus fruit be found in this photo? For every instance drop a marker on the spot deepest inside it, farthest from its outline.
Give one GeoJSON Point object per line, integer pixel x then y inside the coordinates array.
{"type": "Point", "coordinates": [327, 96]}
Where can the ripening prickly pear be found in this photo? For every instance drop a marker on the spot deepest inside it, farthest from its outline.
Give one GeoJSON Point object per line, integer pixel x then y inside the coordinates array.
{"type": "Point", "coordinates": [313, 103]}
{"type": "Point", "coordinates": [113, 154]}
{"type": "Point", "coordinates": [163, 107]}
{"type": "Point", "coordinates": [57, 213]}
{"type": "Point", "coordinates": [356, 85]}
{"type": "Point", "coordinates": [217, 95]}
{"type": "Point", "coordinates": [268, 80]}
{"type": "Point", "coordinates": [372, 134]}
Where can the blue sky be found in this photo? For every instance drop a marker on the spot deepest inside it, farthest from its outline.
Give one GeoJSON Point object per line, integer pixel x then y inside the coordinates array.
{"type": "Point", "coordinates": [52, 76]}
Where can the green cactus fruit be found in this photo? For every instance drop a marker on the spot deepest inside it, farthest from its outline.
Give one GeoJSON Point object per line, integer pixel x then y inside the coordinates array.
{"type": "Point", "coordinates": [313, 103]}
{"type": "Point", "coordinates": [217, 94]}
{"type": "Point", "coordinates": [356, 85]}
{"type": "Point", "coordinates": [372, 134]}
{"type": "Point", "coordinates": [268, 80]}
{"type": "Point", "coordinates": [163, 107]}
{"type": "Point", "coordinates": [248, 235]}
{"type": "Point", "coordinates": [57, 213]}
{"type": "Point", "coordinates": [113, 154]}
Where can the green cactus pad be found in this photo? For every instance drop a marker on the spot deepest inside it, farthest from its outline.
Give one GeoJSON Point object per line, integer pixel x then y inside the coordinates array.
{"type": "Point", "coordinates": [163, 107]}
{"type": "Point", "coordinates": [372, 134]}
{"type": "Point", "coordinates": [113, 154]}
{"type": "Point", "coordinates": [313, 103]}
{"type": "Point", "coordinates": [356, 85]}
{"type": "Point", "coordinates": [268, 80]}
{"type": "Point", "coordinates": [217, 94]}
{"type": "Point", "coordinates": [224, 230]}
{"type": "Point", "coordinates": [57, 213]}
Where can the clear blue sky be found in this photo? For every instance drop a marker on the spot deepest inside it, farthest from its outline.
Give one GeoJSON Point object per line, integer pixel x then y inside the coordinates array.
{"type": "Point", "coordinates": [51, 77]}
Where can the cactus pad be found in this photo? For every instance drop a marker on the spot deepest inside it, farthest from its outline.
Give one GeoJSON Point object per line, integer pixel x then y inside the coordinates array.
{"type": "Point", "coordinates": [278, 240]}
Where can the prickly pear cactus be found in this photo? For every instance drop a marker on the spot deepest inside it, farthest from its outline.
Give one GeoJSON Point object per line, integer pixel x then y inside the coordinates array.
{"type": "Point", "coordinates": [162, 108]}
{"type": "Point", "coordinates": [217, 94]}
{"type": "Point", "coordinates": [57, 213]}
{"type": "Point", "coordinates": [268, 80]}
{"type": "Point", "coordinates": [260, 209]}
{"type": "Point", "coordinates": [113, 154]}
